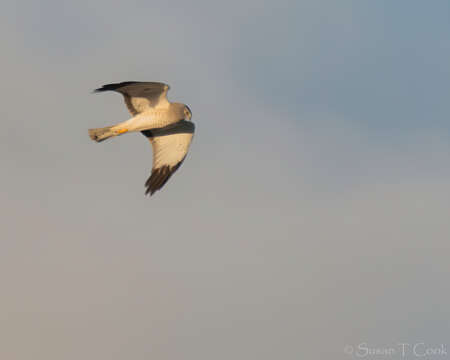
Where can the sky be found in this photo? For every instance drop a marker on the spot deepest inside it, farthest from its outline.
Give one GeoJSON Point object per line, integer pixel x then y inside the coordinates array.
{"type": "Point", "coordinates": [309, 220]}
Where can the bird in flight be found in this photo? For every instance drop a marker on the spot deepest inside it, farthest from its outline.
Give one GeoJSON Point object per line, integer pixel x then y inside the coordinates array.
{"type": "Point", "coordinates": [166, 125]}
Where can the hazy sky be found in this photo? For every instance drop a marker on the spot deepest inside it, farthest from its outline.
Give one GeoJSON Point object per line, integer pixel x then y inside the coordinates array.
{"type": "Point", "coordinates": [311, 214]}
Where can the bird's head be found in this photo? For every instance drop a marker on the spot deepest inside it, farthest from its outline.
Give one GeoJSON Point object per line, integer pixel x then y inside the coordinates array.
{"type": "Point", "coordinates": [187, 113]}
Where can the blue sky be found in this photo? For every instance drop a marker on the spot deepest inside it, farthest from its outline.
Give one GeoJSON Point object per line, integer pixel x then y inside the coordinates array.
{"type": "Point", "coordinates": [310, 214]}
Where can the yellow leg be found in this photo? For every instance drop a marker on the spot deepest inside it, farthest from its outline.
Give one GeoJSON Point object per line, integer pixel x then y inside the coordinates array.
{"type": "Point", "coordinates": [122, 131]}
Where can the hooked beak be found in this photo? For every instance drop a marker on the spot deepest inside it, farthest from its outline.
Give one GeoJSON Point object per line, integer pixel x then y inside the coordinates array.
{"type": "Point", "coordinates": [187, 112]}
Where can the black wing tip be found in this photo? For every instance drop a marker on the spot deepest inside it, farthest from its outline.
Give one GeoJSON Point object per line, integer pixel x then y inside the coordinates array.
{"type": "Point", "coordinates": [159, 177]}
{"type": "Point", "coordinates": [117, 86]}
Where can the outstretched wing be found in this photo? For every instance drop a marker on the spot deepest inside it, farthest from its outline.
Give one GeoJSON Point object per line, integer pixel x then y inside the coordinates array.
{"type": "Point", "coordinates": [140, 96]}
{"type": "Point", "coordinates": [170, 145]}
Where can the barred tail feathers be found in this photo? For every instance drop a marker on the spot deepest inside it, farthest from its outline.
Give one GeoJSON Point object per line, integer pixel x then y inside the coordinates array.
{"type": "Point", "coordinates": [101, 134]}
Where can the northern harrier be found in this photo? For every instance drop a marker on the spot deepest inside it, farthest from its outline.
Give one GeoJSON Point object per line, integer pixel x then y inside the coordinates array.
{"type": "Point", "coordinates": [166, 125]}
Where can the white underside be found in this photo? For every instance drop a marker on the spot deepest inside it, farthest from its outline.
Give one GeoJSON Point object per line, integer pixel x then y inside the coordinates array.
{"type": "Point", "coordinates": [145, 121]}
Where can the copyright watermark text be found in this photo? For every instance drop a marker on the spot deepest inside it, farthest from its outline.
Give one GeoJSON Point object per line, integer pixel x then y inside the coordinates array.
{"type": "Point", "coordinates": [401, 349]}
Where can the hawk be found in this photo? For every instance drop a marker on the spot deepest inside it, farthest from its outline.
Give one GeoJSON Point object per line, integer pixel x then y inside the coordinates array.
{"type": "Point", "coordinates": [166, 125]}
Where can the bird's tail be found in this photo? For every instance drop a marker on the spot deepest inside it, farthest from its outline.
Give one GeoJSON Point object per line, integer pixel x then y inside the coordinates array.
{"type": "Point", "coordinates": [101, 134]}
